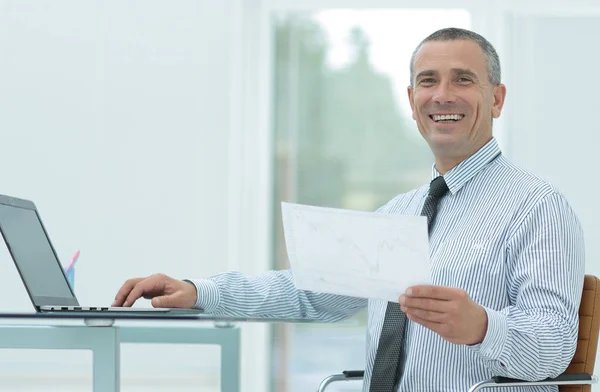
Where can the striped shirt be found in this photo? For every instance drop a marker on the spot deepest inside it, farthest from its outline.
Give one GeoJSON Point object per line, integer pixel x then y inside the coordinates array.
{"type": "Point", "coordinates": [506, 237]}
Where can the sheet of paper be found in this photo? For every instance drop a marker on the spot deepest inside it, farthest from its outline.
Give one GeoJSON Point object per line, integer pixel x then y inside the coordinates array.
{"type": "Point", "coordinates": [360, 254]}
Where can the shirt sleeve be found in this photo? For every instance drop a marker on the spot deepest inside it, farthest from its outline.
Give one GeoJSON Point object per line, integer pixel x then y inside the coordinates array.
{"type": "Point", "coordinates": [271, 295]}
{"type": "Point", "coordinates": [536, 336]}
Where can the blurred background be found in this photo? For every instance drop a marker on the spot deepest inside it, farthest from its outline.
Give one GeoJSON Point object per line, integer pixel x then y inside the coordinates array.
{"type": "Point", "coordinates": [161, 136]}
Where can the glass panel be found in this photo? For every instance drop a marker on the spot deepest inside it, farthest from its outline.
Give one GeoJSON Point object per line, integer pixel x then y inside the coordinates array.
{"type": "Point", "coordinates": [344, 137]}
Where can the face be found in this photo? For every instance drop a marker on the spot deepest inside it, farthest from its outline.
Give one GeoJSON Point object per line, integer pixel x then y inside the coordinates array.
{"type": "Point", "coordinates": [452, 99]}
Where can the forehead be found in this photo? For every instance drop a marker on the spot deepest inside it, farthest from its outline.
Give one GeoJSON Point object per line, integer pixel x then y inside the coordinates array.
{"type": "Point", "coordinates": [443, 56]}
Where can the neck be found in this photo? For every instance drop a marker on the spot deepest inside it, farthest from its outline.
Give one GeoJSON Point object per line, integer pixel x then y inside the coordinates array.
{"type": "Point", "coordinates": [445, 163]}
{"type": "Point", "coordinates": [443, 166]}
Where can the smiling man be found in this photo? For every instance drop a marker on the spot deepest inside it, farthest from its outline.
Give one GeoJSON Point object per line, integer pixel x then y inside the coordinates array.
{"type": "Point", "coordinates": [507, 252]}
{"type": "Point", "coordinates": [454, 97]}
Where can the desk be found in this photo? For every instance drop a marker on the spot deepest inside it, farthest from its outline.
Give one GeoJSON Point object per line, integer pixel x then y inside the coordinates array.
{"type": "Point", "coordinates": [105, 341]}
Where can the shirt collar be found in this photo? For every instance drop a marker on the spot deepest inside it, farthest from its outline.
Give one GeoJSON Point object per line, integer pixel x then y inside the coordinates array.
{"type": "Point", "coordinates": [467, 169]}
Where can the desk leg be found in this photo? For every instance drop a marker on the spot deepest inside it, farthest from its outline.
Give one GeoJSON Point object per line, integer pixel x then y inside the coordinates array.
{"type": "Point", "coordinates": [230, 362]}
{"type": "Point", "coordinates": [103, 341]}
{"type": "Point", "coordinates": [106, 359]}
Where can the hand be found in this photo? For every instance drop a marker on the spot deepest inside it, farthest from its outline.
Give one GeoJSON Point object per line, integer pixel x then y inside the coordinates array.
{"type": "Point", "coordinates": [447, 311]}
{"type": "Point", "coordinates": [164, 291]}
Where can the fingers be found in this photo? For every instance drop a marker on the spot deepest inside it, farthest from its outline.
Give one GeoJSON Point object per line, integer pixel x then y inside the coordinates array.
{"type": "Point", "coordinates": [125, 290]}
{"type": "Point", "coordinates": [449, 312]}
{"type": "Point", "coordinates": [162, 289]}
{"type": "Point", "coordinates": [184, 297]}
{"type": "Point", "coordinates": [425, 303]}
{"type": "Point", "coordinates": [135, 288]}
{"type": "Point", "coordinates": [166, 301]}
{"type": "Point", "coordinates": [161, 302]}
{"type": "Point", "coordinates": [424, 314]}
{"type": "Point", "coordinates": [149, 287]}
{"type": "Point", "coordinates": [435, 292]}
{"type": "Point", "coordinates": [432, 325]}
{"type": "Point", "coordinates": [428, 304]}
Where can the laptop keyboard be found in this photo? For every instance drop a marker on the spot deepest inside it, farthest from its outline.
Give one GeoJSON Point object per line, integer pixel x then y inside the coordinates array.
{"type": "Point", "coordinates": [80, 308]}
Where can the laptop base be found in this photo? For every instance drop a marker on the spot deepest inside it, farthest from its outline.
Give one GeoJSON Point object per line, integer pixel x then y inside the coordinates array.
{"type": "Point", "coordinates": [108, 310]}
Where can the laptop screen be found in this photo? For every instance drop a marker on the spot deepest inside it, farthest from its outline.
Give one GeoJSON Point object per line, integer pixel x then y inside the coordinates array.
{"type": "Point", "coordinates": [34, 256]}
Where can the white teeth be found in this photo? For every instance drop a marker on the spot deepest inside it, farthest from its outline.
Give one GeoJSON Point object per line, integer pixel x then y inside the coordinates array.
{"type": "Point", "coordinates": [442, 117]}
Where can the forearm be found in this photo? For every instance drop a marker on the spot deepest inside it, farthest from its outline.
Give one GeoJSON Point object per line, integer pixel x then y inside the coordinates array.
{"type": "Point", "coordinates": [530, 345]}
{"type": "Point", "coordinates": [271, 295]}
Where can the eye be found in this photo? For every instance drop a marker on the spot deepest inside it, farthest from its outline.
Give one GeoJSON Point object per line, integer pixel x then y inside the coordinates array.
{"type": "Point", "coordinates": [464, 80]}
{"type": "Point", "coordinates": [427, 81]}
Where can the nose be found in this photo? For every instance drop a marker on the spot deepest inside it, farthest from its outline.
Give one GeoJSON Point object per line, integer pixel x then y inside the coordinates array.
{"type": "Point", "coordinates": [444, 94]}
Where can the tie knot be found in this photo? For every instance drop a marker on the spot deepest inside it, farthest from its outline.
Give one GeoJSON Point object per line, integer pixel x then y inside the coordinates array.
{"type": "Point", "coordinates": [438, 187]}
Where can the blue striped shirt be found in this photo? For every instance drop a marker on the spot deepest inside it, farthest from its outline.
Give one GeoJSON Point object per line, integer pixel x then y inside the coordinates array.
{"type": "Point", "coordinates": [506, 237]}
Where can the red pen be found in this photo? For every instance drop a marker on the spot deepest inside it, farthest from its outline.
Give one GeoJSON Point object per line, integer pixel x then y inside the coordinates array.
{"type": "Point", "coordinates": [73, 260]}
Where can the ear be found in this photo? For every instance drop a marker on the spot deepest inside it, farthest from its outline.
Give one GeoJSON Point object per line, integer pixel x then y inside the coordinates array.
{"type": "Point", "coordinates": [412, 103]}
{"type": "Point", "coordinates": [499, 96]}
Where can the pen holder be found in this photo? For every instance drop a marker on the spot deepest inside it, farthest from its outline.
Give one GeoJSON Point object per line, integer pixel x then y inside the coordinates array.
{"type": "Point", "coordinates": [70, 273]}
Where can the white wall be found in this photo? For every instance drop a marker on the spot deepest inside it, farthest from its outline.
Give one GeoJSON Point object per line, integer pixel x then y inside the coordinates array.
{"type": "Point", "coordinates": [552, 106]}
{"type": "Point", "coordinates": [115, 120]}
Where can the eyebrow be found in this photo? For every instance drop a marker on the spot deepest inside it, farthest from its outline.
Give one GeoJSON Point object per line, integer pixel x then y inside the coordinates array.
{"type": "Point", "coordinates": [466, 72]}
{"type": "Point", "coordinates": [426, 73]}
{"type": "Point", "coordinates": [455, 71]}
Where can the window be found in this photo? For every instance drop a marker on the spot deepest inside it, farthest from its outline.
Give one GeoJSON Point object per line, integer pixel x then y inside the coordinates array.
{"type": "Point", "coordinates": [344, 137]}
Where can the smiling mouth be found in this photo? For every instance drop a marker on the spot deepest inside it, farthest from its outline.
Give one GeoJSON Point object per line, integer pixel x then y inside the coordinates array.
{"type": "Point", "coordinates": [446, 118]}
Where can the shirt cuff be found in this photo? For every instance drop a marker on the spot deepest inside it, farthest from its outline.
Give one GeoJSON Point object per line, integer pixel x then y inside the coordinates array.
{"type": "Point", "coordinates": [495, 337]}
{"type": "Point", "coordinates": [208, 294]}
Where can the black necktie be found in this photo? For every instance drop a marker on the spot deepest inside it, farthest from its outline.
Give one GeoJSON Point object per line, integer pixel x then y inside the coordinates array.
{"type": "Point", "coordinates": [386, 369]}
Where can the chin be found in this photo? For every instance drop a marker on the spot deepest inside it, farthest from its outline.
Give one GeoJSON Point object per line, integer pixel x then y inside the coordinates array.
{"type": "Point", "coordinates": [445, 138]}
{"type": "Point", "coordinates": [446, 144]}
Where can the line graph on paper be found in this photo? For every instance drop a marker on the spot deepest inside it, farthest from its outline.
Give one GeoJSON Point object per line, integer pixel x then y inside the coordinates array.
{"type": "Point", "coordinates": [355, 253]}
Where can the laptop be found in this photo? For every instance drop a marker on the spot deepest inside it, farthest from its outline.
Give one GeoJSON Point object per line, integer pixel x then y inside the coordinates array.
{"type": "Point", "coordinates": [39, 267]}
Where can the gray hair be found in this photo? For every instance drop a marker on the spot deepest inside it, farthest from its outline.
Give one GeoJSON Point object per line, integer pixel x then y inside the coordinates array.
{"type": "Point", "coordinates": [454, 34]}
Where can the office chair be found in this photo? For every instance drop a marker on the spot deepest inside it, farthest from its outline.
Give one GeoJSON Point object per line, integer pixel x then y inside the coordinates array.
{"type": "Point", "coordinates": [579, 374]}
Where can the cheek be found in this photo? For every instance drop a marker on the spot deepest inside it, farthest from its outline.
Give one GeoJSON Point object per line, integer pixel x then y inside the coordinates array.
{"type": "Point", "coordinates": [478, 111]}
{"type": "Point", "coordinates": [486, 108]}
{"type": "Point", "coordinates": [417, 111]}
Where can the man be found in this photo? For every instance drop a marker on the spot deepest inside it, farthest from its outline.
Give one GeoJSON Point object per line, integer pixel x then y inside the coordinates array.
{"type": "Point", "coordinates": [507, 252]}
